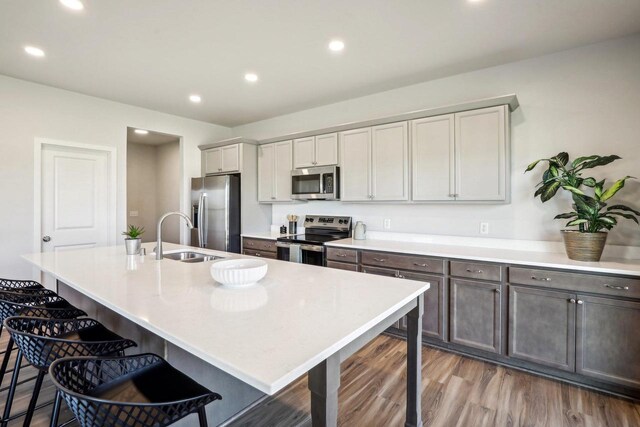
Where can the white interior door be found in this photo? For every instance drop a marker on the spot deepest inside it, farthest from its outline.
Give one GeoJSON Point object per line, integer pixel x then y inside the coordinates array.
{"type": "Point", "coordinates": [75, 198]}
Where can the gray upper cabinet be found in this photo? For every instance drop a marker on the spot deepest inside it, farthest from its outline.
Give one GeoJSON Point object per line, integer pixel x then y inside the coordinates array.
{"type": "Point", "coordinates": [607, 344]}
{"type": "Point", "coordinates": [462, 156]}
{"type": "Point", "coordinates": [481, 154]}
{"type": "Point", "coordinates": [222, 159]}
{"type": "Point", "coordinates": [321, 150]}
{"type": "Point", "coordinates": [475, 314]}
{"type": "Point", "coordinates": [542, 326]}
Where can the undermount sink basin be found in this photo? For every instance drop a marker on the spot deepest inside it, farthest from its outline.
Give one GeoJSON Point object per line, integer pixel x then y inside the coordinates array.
{"type": "Point", "coordinates": [191, 256]}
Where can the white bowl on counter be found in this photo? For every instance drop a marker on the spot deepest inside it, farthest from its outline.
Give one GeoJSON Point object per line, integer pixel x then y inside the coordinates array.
{"type": "Point", "coordinates": [238, 273]}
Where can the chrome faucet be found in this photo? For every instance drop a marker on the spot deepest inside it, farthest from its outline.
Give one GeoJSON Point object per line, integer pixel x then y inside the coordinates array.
{"type": "Point", "coordinates": [159, 231]}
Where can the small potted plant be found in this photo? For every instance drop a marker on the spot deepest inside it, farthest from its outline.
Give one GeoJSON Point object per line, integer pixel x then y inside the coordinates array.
{"type": "Point", "coordinates": [133, 242]}
{"type": "Point", "coordinates": [591, 213]}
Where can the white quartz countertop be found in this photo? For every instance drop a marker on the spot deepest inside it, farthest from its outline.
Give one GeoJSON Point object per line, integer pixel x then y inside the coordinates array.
{"type": "Point", "coordinates": [266, 335]}
{"type": "Point", "coordinates": [629, 267]}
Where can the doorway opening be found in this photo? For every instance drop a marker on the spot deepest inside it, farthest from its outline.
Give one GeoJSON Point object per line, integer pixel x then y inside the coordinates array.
{"type": "Point", "coordinates": [153, 182]}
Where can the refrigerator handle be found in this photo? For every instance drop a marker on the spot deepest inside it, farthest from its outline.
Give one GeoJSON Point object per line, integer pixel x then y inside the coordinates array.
{"type": "Point", "coordinates": [202, 215]}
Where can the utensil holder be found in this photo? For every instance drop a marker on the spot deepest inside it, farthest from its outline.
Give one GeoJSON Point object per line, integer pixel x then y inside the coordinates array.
{"type": "Point", "coordinates": [293, 227]}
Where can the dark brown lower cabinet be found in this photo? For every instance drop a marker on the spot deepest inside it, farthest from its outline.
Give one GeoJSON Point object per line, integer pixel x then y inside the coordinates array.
{"type": "Point", "coordinates": [607, 344]}
{"type": "Point", "coordinates": [475, 312]}
{"type": "Point", "coordinates": [542, 327]}
{"type": "Point", "coordinates": [433, 319]}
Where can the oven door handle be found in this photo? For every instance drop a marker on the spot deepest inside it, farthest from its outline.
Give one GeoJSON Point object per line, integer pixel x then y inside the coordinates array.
{"type": "Point", "coordinates": [283, 245]}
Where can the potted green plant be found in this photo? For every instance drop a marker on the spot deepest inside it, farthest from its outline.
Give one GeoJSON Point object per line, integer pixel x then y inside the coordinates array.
{"type": "Point", "coordinates": [591, 213]}
{"type": "Point", "coordinates": [133, 242]}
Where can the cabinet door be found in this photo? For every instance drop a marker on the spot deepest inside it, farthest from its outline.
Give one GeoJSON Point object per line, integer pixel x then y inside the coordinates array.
{"type": "Point", "coordinates": [282, 171]}
{"type": "Point", "coordinates": [432, 144]}
{"type": "Point", "coordinates": [266, 173]}
{"type": "Point", "coordinates": [542, 327]}
{"type": "Point", "coordinates": [481, 154]}
{"type": "Point", "coordinates": [231, 158]}
{"type": "Point", "coordinates": [390, 162]}
{"type": "Point", "coordinates": [356, 160]}
{"type": "Point", "coordinates": [326, 149]}
{"type": "Point", "coordinates": [402, 323]}
{"type": "Point", "coordinates": [433, 319]}
{"type": "Point", "coordinates": [304, 152]}
{"type": "Point", "coordinates": [213, 161]}
{"type": "Point", "coordinates": [607, 343]}
{"type": "Point", "coordinates": [474, 314]}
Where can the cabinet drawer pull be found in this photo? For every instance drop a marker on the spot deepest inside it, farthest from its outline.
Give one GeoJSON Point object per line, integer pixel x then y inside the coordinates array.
{"type": "Point", "coordinates": [257, 254]}
{"type": "Point", "coordinates": [417, 264]}
{"type": "Point", "coordinates": [341, 255]}
{"type": "Point", "coordinates": [617, 288]}
{"type": "Point", "coordinates": [474, 271]}
{"type": "Point", "coordinates": [572, 300]}
{"type": "Point", "coordinates": [400, 276]}
{"type": "Point", "coordinates": [250, 243]}
{"type": "Point", "coordinates": [541, 279]}
{"type": "Point", "coordinates": [580, 302]}
{"type": "Point", "coordinates": [379, 259]}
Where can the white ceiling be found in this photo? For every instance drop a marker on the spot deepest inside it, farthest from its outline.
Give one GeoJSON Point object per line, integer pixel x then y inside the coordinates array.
{"type": "Point", "coordinates": [151, 138]}
{"type": "Point", "coordinates": [154, 53]}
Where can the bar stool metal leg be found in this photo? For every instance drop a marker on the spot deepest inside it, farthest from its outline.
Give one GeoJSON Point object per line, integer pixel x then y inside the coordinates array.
{"type": "Point", "coordinates": [5, 360]}
{"type": "Point", "coordinates": [202, 417]}
{"type": "Point", "coordinates": [56, 410]}
{"type": "Point", "coordinates": [34, 399]}
{"type": "Point", "coordinates": [12, 390]}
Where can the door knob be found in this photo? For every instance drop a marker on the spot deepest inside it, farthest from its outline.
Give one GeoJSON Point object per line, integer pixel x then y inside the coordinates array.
{"type": "Point", "coordinates": [46, 239]}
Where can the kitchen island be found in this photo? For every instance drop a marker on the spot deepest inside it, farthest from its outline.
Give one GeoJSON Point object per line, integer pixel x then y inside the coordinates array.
{"type": "Point", "coordinates": [245, 343]}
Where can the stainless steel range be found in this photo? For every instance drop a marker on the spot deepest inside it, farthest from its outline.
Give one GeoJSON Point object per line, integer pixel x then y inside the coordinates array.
{"type": "Point", "coordinates": [308, 248]}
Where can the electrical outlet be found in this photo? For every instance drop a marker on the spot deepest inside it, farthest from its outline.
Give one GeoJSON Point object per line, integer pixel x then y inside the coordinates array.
{"type": "Point", "coordinates": [484, 228]}
{"type": "Point", "coordinates": [387, 224]}
{"type": "Point", "coordinates": [133, 213]}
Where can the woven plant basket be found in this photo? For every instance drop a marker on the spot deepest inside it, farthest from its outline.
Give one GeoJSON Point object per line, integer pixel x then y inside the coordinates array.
{"type": "Point", "coordinates": [584, 246]}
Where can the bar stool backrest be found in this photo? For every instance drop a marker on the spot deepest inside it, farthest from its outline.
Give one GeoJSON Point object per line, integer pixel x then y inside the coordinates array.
{"type": "Point", "coordinates": [19, 284]}
{"type": "Point", "coordinates": [43, 303]}
{"type": "Point", "coordinates": [44, 340]}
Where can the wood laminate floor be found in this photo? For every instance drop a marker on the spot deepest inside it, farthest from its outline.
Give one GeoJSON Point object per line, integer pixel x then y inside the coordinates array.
{"type": "Point", "coordinates": [457, 391]}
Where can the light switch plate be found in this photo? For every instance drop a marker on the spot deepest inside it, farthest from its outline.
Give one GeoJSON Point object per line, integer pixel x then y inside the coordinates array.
{"type": "Point", "coordinates": [387, 224]}
{"type": "Point", "coordinates": [133, 213]}
{"type": "Point", "coordinates": [484, 228]}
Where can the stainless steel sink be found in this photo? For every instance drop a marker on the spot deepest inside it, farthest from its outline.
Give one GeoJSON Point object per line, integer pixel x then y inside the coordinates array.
{"type": "Point", "coordinates": [191, 256]}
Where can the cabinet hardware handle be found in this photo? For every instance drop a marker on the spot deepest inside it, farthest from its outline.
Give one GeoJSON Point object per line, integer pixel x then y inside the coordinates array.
{"type": "Point", "coordinates": [341, 255]}
{"type": "Point", "coordinates": [452, 195]}
{"type": "Point", "coordinates": [617, 288]}
{"type": "Point", "coordinates": [541, 279]}
{"type": "Point", "coordinates": [572, 300]}
{"type": "Point", "coordinates": [474, 271]}
{"type": "Point", "coordinates": [400, 276]}
{"type": "Point", "coordinates": [417, 264]}
{"type": "Point", "coordinates": [379, 259]}
{"type": "Point", "coordinates": [497, 290]}
{"type": "Point", "coordinates": [257, 254]}
{"type": "Point", "coordinates": [273, 198]}
{"type": "Point", "coordinates": [580, 302]}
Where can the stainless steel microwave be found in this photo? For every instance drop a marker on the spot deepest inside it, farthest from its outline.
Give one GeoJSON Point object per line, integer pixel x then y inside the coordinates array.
{"type": "Point", "coordinates": [321, 183]}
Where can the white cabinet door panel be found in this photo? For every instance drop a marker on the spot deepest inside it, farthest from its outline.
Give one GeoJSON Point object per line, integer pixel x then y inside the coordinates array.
{"type": "Point", "coordinates": [304, 152]}
{"type": "Point", "coordinates": [326, 150]}
{"type": "Point", "coordinates": [230, 158]}
{"type": "Point", "coordinates": [266, 173]}
{"type": "Point", "coordinates": [213, 161]}
{"type": "Point", "coordinates": [481, 153]}
{"type": "Point", "coordinates": [432, 144]}
{"type": "Point", "coordinates": [356, 160]}
{"type": "Point", "coordinates": [390, 162]}
{"type": "Point", "coordinates": [282, 171]}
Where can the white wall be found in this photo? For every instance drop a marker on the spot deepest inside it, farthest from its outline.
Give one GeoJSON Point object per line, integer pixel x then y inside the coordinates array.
{"type": "Point", "coordinates": [584, 101]}
{"type": "Point", "coordinates": [29, 110]}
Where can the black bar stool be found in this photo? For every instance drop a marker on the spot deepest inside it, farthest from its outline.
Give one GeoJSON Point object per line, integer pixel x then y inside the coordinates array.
{"type": "Point", "coordinates": [43, 341]}
{"type": "Point", "coordinates": [141, 390]}
{"type": "Point", "coordinates": [9, 284]}
{"type": "Point", "coordinates": [39, 303]}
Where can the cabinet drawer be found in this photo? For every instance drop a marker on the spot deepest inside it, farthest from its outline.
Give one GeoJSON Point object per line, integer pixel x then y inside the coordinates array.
{"type": "Point", "coordinates": [259, 244]}
{"type": "Point", "coordinates": [260, 254]}
{"type": "Point", "coordinates": [476, 270]}
{"type": "Point", "coordinates": [342, 255]}
{"type": "Point", "coordinates": [403, 262]}
{"type": "Point", "coordinates": [578, 282]}
{"type": "Point", "coordinates": [342, 265]}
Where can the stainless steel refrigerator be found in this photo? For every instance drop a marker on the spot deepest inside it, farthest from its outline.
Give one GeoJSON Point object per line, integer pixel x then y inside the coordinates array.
{"type": "Point", "coordinates": [215, 212]}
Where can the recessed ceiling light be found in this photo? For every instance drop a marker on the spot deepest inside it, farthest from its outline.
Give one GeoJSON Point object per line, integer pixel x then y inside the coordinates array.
{"type": "Point", "coordinates": [73, 4]}
{"type": "Point", "coordinates": [336, 46]}
{"type": "Point", "coordinates": [195, 98]}
{"type": "Point", "coordinates": [141, 131]}
{"type": "Point", "coordinates": [251, 77]}
{"type": "Point", "coordinates": [34, 51]}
